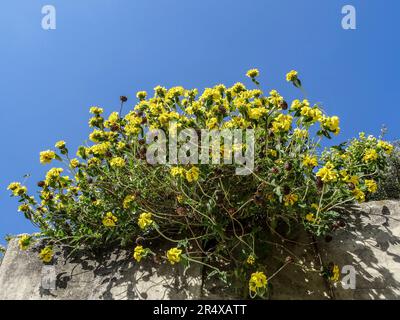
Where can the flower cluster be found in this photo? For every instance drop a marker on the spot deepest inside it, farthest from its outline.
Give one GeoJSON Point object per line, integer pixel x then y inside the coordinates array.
{"type": "Point", "coordinates": [108, 195]}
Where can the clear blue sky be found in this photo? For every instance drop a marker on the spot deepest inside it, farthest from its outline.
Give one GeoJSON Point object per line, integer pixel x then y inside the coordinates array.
{"type": "Point", "coordinates": [102, 49]}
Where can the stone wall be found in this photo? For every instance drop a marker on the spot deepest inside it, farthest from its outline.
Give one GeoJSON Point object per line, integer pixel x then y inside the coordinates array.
{"type": "Point", "coordinates": [370, 243]}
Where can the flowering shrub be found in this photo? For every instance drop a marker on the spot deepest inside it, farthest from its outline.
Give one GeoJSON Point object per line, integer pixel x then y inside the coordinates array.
{"type": "Point", "coordinates": [208, 214]}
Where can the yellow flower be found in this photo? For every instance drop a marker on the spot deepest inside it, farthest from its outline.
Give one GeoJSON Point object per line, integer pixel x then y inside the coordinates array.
{"type": "Point", "coordinates": [385, 146]}
{"type": "Point", "coordinates": [93, 162]}
{"type": "Point", "coordinates": [251, 259]}
{"type": "Point", "coordinates": [310, 217]}
{"type": "Point", "coordinates": [282, 123]}
{"type": "Point", "coordinates": [327, 173]}
{"type": "Point", "coordinates": [370, 155]}
{"type": "Point", "coordinates": [179, 198]}
{"type": "Point", "coordinates": [310, 161]}
{"type": "Point", "coordinates": [257, 113]}
{"type": "Point", "coordinates": [212, 123]}
{"type": "Point", "coordinates": [252, 73]}
{"type": "Point", "coordinates": [46, 254]}
{"type": "Point", "coordinates": [273, 153]}
{"type": "Point", "coordinates": [117, 162]}
{"type": "Point", "coordinates": [192, 174]}
{"type": "Point", "coordinates": [139, 253]}
{"type": "Point", "coordinates": [331, 123]}
{"type": "Point", "coordinates": [145, 220]}
{"type": "Point", "coordinates": [160, 91]}
{"type": "Point", "coordinates": [53, 174]}
{"type": "Point", "coordinates": [174, 255]}
{"type": "Point", "coordinates": [74, 163]}
{"type": "Point", "coordinates": [17, 189]}
{"type": "Point", "coordinates": [112, 119]}
{"type": "Point", "coordinates": [314, 113]}
{"type": "Point", "coordinates": [291, 76]}
{"type": "Point", "coordinates": [359, 195]}
{"type": "Point", "coordinates": [24, 242]}
{"type": "Point", "coordinates": [128, 200]}
{"type": "Point", "coordinates": [258, 280]}
{"type": "Point", "coordinates": [300, 133]}
{"type": "Point", "coordinates": [290, 199]}
{"type": "Point", "coordinates": [100, 149]}
{"type": "Point", "coordinates": [141, 95]}
{"type": "Point", "coordinates": [335, 273]}
{"type": "Point", "coordinates": [110, 220]}
{"type": "Point", "coordinates": [121, 145]}
{"type": "Point", "coordinates": [47, 156]}
{"type": "Point", "coordinates": [60, 144]}
{"type": "Point", "coordinates": [23, 208]}
{"type": "Point", "coordinates": [96, 110]}
{"type": "Point", "coordinates": [371, 185]}
{"type": "Point", "coordinates": [177, 171]}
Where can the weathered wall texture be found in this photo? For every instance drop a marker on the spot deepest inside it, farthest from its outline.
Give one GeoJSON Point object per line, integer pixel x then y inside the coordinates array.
{"type": "Point", "coordinates": [370, 243]}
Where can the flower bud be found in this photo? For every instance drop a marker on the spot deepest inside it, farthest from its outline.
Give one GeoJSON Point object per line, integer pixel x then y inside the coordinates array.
{"type": "Point", "coordinates": [283, 105]}
{"type": "Point", "coordinates": [41, 184]}
{"type": "Point", "coordinates": [123, 98]}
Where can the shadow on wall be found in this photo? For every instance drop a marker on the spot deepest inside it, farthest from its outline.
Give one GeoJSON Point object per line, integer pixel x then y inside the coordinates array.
{"type": "Point", "coordinates": [370, 243]}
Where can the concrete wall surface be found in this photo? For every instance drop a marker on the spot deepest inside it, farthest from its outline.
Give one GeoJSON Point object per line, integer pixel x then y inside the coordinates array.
{"type": "Point", "coordinates": [369, 245]}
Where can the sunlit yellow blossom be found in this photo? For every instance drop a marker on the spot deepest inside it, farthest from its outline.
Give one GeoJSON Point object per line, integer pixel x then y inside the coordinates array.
{"type": "Point", "coordinates": [310, 161]}
{"type": "Point", "coordinates": [60, 144]}
{"type": "Point", "coordinates": [192, 174]}
{"type": "Point", "coordinates": [160, 91]}
{"type": "Point", "coordinates": [291, 76]}
{"type": "Point", "coordinates": [139, 253]}
{"type": "Point", "coordinates": [145, 220]}
{"type": "Point", "coordinates": [74, 163]}
{"type": "Point", "coordinates": [335, 273]}
{"type": "Point", "coordinates": [257, 113]}
{"type": "Point", "coordinates": [53, 174]}
{"type": "Point", "coordinates": [47, 156]}
{"type": "Point", "coordinates": [117, 162]}
{"type": "Point", "coordinates": [121, 145]}
{"type": "Point", "coordinates": [331, 123]}
{"type": "Point", "coordinates": [258, 280]}
{"type": "Point", "coordinates": [385, 146]}
{"type": "Point", "coordinates": [252, 73]}
{"type": "Point", "coordinates": [251, 259]}
{"type": "Point", "coordinates": [359, 195]}
{"type": "Point", "coordinates": [290, 199]}
{"type": "Point", "coordinates": [110, 220]}
{"type": "Point", "coordinates": [112, 120]}
{"type": "Point", "coordinates": [372, 186]}
{"type": "Point", "coordinates": [141, 95]}
{"type": "Point", "coordinates": [17, 189]}
{"type": "Point", "coordinates": [300, 133]}
{"type": "Point", "coordinates": [314, 113]}
{"type": "Point", "coordinates": [177, 171]}
{"type": "Point", "coordinates": [96, 110]}
{"type": "Point", "coordinates": [100, 149]}
{"type": "Point", "coordinates": [46, 254]}
{"type": "Point", "coordinates": [212, 123]}
{"type": "Point", "coordinates": [24, 242]}
{"type": "Point", "coordinates": [94, 162]}
{"type": "Point", "coordinates": [23, 208]}
{"type": "Point", "coordinates": [282, 123]}
{"type": "Point", "coordinates": [327, 173]}
{"type": "Point", "coordinates": [370, 155]}
{"type": "Point", "coordinates": [298, 105]}
{"type": "Point", "coordinates": [128, 200]}
{"type": "Point", "coordinates": [174, 255]}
